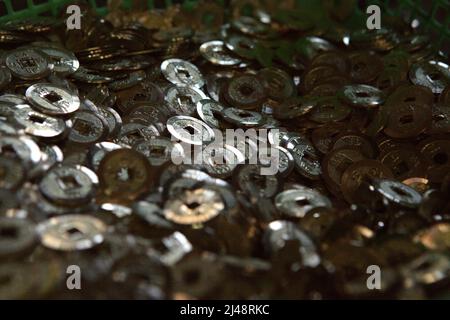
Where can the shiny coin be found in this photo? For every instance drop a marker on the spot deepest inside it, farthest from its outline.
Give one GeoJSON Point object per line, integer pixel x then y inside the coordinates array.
{"type": "Point", "coordinates": [180, 71]}
{"type": "Point", "coordinates": [51, 99]}
{"type": "Point", "coordinates": [71, 232]}
{"type": "Point", "coordinates": [183, 99]}
{"type": "Point", "coordinates": [207, 110]}
{"type": "Point", "coordinates": [215, 52]}
{"type": "Point", "coordinates": [190, 130]}
{"type": "Point", "coordinates": [194, 206]}
{"type": "Point", "coordinates": [64, 62]}
{"type": "Point", "coordinates": [431, 74]}
{"type": "Point", "coordinates": [242, 118]}
{"type": "Point", "coordinates": [397, 192]}
{"type": "Point", "coordinates": [38, 124]}
{"type": "Point", "coordinates": [297, 202]}
{"type": "Point", "coordinates": [363, 96]}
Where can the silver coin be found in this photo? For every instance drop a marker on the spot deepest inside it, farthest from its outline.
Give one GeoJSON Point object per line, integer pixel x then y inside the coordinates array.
{"type": "Point", "coordinates": [71, 232]}
{"type": "Point", "coordinates": [28, 64]}
{"type": "Point", "coordinates": [183, 99]}
{"type": "Point", "coordinates": [221, 162]}
{"type": "Point", "coordinates": [278, 232]}
{"type": "Point", "coordinates": [243, 118]}
{"type": "Point", "coordinates": [398, 192]}
{"type": "Point", "coordinates": [64, 62]}
{"type": "Point", "coordinates": [21, 147]}
{"type": "Point", "coordinates": [69, 184]}
{"type": "Point", "coordinates": [13, 98]}
{"type": "Point", "coordinates": [206, 110]}
{"type": "Point", "coordinates": [38, 124]}
{"type": "Point", "coordinates": [432, 74]}
{"type": "Point", "coordinates": [179, 71]}
{"type": "Point", "coordinates": [297, 202]}
{"type": "Point", "coordinates": [52, 99]}
{"type": "Point", "coordinates": [194, 206]}
{"type": "Point", "coordinates": [190, 130]}
{"type": "Point", "coordinates": [130, 133]}
{"type": "Point", "coordinates": [306, 159]}
{"type": "Point", "coordinates": [160, 150]}
{"type": "Point", "coordinates": [362, 95]}
{"type": "Point", "coordinates": [278, 156]}
{"type": "Point", "coordinates": [215, 52]}
{"type": "Point", "coordinates": [251, 180]}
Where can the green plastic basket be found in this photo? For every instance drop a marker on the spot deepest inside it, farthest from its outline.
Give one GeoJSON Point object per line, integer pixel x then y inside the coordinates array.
{"type": "Point", "coordinates": [434, 14]}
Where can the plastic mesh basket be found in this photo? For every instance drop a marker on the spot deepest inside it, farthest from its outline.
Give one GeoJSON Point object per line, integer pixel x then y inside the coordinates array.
{"type": "Point", "coordinates": [434, 14]}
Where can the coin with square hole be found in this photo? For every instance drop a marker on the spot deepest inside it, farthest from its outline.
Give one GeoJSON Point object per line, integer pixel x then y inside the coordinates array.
{"type": "Point", "coordinates": [52, 99]}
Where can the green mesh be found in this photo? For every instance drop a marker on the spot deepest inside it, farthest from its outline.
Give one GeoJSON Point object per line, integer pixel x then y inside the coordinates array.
{"type": "Point", "coordinates": [435, 14]}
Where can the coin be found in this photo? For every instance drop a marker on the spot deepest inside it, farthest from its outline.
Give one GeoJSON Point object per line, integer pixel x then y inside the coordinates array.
{"type": "Point", "coordinates": [71, 232]}
{"type": "Point", "coordinates": [358, 173]}
{"type": "Point", "coordinates": [28, 64]}
{"type": "Point", "coordinates": [125, 174]}
{"type": "Point", "coordinates": [51, 99]}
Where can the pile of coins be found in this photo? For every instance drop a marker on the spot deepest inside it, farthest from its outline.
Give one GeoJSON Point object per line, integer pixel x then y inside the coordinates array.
{"type": "Point", "coordinates": [91, 121]}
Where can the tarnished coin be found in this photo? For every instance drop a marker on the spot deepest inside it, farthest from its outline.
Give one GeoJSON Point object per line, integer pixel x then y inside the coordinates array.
{"type": "Point", "coordinates": [245, 91]}
{"type": "Point", "coordinates": [336, 162]}
{"type": "Point", "coordinates": [71, 232]}
{"type": "Point", "coordinates": [21, 147]}
{"type": "Point", "coordinates": [215, 52]}
{"type": "Point", "coordinates": [278, 84]}
{"type": "Point", "coordinates": [69, 185]}
{"type": "Point", "coordinates": [125, 174]}
{"type": "Point", "coordinates": [180, 71]}
{"type": "Point", "coordinates": [12, 173]}
{"type": "Point", "coordinates": [294, 107]}
{"type": "Point", "coordinates": [132, 79]}
{"type": "Point", "coordinates": [5, 77]}
{"type": "Point", "coordinates": [88, 128]}
{"type": "Point", "coordinates": [190, 130]}
{"type": "Point", "coordinates": [98, 151]}
{"type": "Point", "coordinates": [52, 99]}
{"type": "Point", "coordinates": [329, 109]}
{"type": "Point", "coordinates": [17, 236]}
{"type": "Point", "coordinates": [28, 64]}
{"type": "Point", "coordinates": [435, 237]}
{"type": "Point", "coordinates": [360, 172]}
{"type": "Point", "coordinates": [251, 180]}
